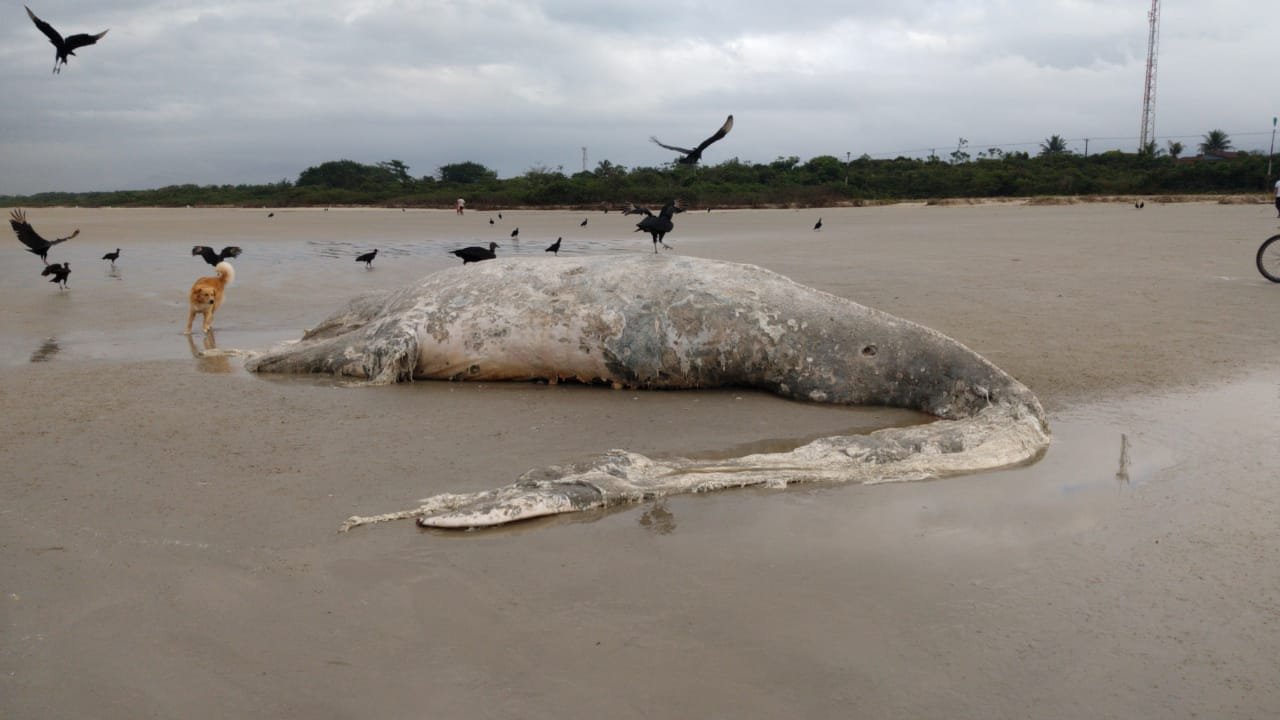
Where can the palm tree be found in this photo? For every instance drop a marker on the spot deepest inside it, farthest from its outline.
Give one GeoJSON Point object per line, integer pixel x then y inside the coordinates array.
{"type": "Point", "coordinates": [1215, 142]}
{"type": "Point", "coordinates": [1054, 145]}
{"type": "Point", "coordinates": [1175, 149]}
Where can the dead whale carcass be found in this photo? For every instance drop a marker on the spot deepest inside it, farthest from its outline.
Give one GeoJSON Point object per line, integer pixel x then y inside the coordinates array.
{"type": "Point", "coordinates": [662, 322]}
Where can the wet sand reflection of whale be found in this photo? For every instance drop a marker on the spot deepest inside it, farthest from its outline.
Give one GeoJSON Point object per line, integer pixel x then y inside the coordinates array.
{"type": "Point", "coordinates": [668, 323]}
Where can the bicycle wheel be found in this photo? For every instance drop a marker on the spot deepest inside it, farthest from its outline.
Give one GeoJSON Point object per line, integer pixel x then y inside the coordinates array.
{"type": "Point", "coordinates": [1269, 259]}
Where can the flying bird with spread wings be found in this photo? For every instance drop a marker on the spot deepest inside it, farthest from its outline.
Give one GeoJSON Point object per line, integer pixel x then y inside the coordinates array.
{"type": "Point", "coordinates": [659, 225]}
{"type": "Point", "coordinates": [29, 237]}
{"type": "Point", "coordinates": [691, 157]}
{"type": "Point", "coordinates": [64, 46]}
{"type": "Point", "coordinates": [60, 273]}
{"type": "Point", "coordinates": [213, 258]}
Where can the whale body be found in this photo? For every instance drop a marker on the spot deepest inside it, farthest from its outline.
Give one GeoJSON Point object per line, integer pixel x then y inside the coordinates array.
{"type": "Point", "coordinates": [669, 323]}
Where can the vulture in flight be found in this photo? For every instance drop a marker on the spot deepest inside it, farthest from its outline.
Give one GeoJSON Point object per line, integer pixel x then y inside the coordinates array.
{"type": "Point", "coordinates": [29, 237]}
{"type": "Point", "coordinates": [691, 157]}
{"type": "Point", "coordinates": [64, 46]}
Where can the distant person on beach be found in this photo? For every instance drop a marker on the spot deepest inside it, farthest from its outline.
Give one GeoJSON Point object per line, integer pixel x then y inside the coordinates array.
{"type": "Point", "coordinates": [1278, 198]}
{"type": "Point", "coordinates": [459, 205]}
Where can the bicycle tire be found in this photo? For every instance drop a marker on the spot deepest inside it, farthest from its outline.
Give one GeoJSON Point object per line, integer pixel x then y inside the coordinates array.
{"type": "Point", "coordinates": [1269, 258]}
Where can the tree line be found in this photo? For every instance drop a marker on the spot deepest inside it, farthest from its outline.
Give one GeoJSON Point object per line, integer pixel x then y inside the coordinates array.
{"type": "Point", "coordinates": [785, 182]}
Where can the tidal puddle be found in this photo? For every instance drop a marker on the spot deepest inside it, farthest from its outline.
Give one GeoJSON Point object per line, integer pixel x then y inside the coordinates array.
{"type": "Point", "coordinates": [136, 310]}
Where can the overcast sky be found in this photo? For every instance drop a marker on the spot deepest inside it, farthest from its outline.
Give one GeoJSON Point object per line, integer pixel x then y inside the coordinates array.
{"type": "Point", "coordinates": [255, 91]}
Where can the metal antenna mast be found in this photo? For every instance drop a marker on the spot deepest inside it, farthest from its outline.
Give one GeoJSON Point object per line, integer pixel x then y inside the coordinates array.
{"type": "Point", "coordinates": [1148, 133]}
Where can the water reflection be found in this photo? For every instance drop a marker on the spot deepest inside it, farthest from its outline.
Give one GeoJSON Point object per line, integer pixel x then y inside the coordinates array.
{"type": "Point", "coordinates": [440, 247]}
{"type": "Point", "coordinates": [658, 519]}
{"type": "Point", "coordinates": [208, 363]}
{"type": "Point", "coordinates": [1122, 475]}
{"type": "Point", "coordinates": [46, 351]}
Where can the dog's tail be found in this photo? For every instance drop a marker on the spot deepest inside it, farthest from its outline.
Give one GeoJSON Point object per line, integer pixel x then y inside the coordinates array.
{"type": "Point", "coordinates": [226, 272]}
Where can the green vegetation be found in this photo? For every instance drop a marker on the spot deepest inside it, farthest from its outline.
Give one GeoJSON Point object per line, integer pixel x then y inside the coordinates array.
{"type": "Point", "coordinates": [1054, 145]}
{"type": "Point", "coordinates": [1215, 142]}
{"type": "Point", "coordinates": [819, 181]}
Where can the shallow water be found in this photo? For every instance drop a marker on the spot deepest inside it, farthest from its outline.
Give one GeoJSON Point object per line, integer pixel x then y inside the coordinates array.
{"type": "Point", "coordinates": [168, 530]}
{"type": "Point", "coordinates": [142, 298]}
{"type": "Point", "coordinates": [1081, 576]}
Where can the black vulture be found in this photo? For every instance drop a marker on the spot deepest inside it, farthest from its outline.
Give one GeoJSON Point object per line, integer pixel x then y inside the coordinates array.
{"type": "Point", "coordinates": [112, 256]}
{"type": "Point", "coordinates": [476, 254]}
{"type": "Point", "coordinates": [691, 157]}
{"type": "Point", "coordinates": [659, 225]}
{"type": "Point", "coordinates": [555, 247]}
{"type": "Point", "coordinates": [515, 234]}
{"type": "Point", "coordinates": [60, 273]}
{"type": "Point", "coordinates": [818, 225]}
{"type": "Point", "coordinates": [29, 237]}
{"type": "Point", "coordinates": [64, 47]}
{"type": "Point", "coordinates": [213, 258]}
{"type": "Point", "coordinates": [367, 258]}
{"type": "Point", "coordinates": [583, 223]}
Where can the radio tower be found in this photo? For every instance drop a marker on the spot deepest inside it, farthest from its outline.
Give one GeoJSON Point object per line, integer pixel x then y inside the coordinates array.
{"type": "Point", "coordinates": [1148, 133]}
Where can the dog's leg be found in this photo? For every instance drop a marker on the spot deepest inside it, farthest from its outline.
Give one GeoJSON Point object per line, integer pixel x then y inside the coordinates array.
{"type": "Point", "coordinates": [191, 316]}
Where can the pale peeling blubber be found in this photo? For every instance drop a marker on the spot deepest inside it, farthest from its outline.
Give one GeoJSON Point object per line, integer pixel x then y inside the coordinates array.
{"type": "Point", "coordinates": [676, 322]}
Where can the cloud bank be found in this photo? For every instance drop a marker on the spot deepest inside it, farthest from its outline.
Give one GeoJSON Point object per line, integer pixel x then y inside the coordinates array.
{"type": "Point", "coordinates": [255, 92]}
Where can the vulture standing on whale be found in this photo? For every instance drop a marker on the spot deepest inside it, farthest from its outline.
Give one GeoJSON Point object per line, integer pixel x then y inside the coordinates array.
{"type": "Point", "coordinates": [64, 46]}
{"type": "Point", "coordinates": [29, 237]}
{"type": "Point", "coordinates": [476, 254]}
{"type": "Point", "coordinates": [691, 157]}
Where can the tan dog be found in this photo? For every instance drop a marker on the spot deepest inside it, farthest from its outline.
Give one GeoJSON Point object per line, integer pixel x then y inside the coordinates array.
{"type": "Point", "coordinates": [206, 295]}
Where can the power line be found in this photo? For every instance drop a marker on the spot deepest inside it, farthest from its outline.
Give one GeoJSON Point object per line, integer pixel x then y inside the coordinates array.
{"type": "Point", "coordinates": [1038, 143]}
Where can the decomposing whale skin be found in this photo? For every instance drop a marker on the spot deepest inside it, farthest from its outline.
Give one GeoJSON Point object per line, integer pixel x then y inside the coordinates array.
{"type": "Point", "coordinates": [676, 322]}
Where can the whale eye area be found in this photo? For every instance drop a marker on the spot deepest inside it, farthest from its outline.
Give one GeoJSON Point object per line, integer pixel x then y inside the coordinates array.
{"type": "Point", "coordinates": [869, 351]}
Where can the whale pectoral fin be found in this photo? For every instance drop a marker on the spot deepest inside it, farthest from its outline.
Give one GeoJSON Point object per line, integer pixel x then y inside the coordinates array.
{"type": "Point", "coordinates": [390, 354]}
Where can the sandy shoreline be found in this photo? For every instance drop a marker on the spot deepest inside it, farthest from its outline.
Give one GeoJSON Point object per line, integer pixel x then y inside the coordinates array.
{"type": "Point", "coordinates": [168, 529]}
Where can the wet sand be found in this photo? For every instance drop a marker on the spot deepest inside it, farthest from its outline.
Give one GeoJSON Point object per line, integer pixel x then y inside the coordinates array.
{"type": "Point", "coordinates": [168, 527]}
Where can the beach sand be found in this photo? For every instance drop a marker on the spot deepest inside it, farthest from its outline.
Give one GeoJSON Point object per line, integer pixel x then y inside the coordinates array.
{"type": "Point", "coordinates": [168, 528]}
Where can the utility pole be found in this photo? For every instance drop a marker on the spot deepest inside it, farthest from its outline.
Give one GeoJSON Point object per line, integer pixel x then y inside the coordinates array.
{"type": "Point", "coordinates": [584, 159]}
{"type": "Point", "coordinates": [1148, 134]}
{"type": "Point", "coordinates": [1271, 152]}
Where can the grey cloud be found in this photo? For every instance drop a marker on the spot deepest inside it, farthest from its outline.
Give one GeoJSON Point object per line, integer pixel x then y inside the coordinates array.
{"type": "Point", "coordinates": [231, 92]}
